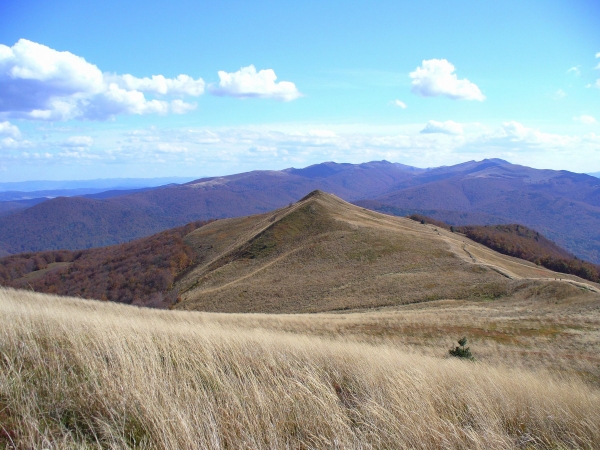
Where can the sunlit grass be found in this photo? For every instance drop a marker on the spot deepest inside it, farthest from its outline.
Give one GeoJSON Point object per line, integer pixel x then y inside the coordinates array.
{"type": "Point", "coordinates": [77, 374]}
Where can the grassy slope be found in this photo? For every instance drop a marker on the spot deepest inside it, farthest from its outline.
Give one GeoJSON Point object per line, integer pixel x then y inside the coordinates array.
{"type": "Point", "coordinates": [522, 242]}
{"type": "Point", "coordinates": [78, 373]}
{"type": "Point", "coordinates": [320, 254]}
{"type": "Point", "coordinates": [324, 254]}
{"type": "Point", "coordinates": [78, 223]}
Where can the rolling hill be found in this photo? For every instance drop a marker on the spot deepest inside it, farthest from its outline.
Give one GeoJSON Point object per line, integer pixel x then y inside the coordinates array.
{"type": "Point", "coordinates": [319, 254]}
{"type": "Point", "coordinates": [324, 254]}
{"type": "Point", "coordinates": [562, 205]}
{"type": "Point", "coordinates": [80, 223]}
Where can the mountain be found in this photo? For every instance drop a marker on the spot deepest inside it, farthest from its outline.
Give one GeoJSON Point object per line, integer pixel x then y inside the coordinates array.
{"type": "Point", "coordinates": [24, 200]}
{"type": "Point", "coordinates": [101, 184]}
{"type": "Point", "coordinates": [564, 206]}
{"type": "Point", "coordinates": [324, 254]}
{"type": "Point", "coordinates": [319, 254]}
{"type": "Point", "coordinates": [79, 223]}
{"type": "Point", "coordinates": [595, 174]}
{"type": "Point", "coordinates": [522, 242]}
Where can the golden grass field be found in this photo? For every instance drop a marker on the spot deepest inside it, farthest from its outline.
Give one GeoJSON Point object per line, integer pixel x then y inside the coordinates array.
{"type": "Point", "coordinates": [87, 374]}
{"type": "Point", "coordinates": [365, 367]}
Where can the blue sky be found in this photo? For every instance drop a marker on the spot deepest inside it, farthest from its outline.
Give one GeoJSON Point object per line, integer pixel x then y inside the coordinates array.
{"type": "Point", "coordinates": [207, 88]}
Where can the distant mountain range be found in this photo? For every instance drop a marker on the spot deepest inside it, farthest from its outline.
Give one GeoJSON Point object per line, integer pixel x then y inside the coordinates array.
{"type": "Point", "coordinates": [97, 184]}
{"type": "Point", "coordinates": [562, 205]}
{"type": "Point", "coordinates": [20, 195]}
{"type": "Point", "coordinates": [595, 174]}
{"type": "Point", "coordinates": [318, 254]}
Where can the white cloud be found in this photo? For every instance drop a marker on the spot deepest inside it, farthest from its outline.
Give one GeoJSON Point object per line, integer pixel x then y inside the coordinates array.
{"type": "Point", "coordinates": [180, 107]}
{"type": "Point", "coordinates": [447, 127]}
{"type": "Point", "coordinates": [598, 55]}
{"type": "Point", "coordinates": [8, 129]}
{"type": "Point", "coordinates": [78, 141]}
{"type": "Point", "coordinates": [436, 77]}
{"type": "Point", "coordinates": [517, 136]}
{"type": "Point", "coordinates": [559, 94]}
{"type": "Point", "coordinates": [248, 83]}
{"type": "Point", "coordinates": [575, 70]}
{"type": "Point", "coordinates": [40, 83]}
{"type": "Point", "coordinates": [322, 133]}
{"type": "Point", "coordinates": [585, 119]}
{"type": "Point", "coordinates": [400, 104]}
{"type": "Point", "coordinates": [158, 84]}
{"type": "Point", "coordinates": [171, 148]}
{"type": "Point", "coordinates": [231, 150]}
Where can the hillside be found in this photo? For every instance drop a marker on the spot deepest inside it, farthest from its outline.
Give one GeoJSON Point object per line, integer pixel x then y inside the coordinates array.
{"type": "Point", "coordinates": [319, 254]}
{"type": "Point", "coordinates": [88, 374]}
{"type": "Point", "coordinates": [522, 242]}
{"type": "Point", "coordinates": [562, 205]}
{"type": "Point", "coordinates": [79, 223]}
{"type": "Point", "coordinates": [140, 272]}
{"type": "Point", "coordinates": [323, 254]}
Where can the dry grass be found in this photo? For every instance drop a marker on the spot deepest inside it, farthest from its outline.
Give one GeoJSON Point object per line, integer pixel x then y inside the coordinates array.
{"type": "Point", "coordinates": [85, 374]}
{"type": "Point", "coordinates": [323, 254]}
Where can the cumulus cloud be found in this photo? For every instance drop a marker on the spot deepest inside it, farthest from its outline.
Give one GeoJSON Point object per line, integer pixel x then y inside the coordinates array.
{"type": "Point", "coordinates": [400, 104]}
{"type": "Point", "coordinates": [447, 127]}
{"type": "Point", "coordinates": [585, 119]}
{"type": "Point", "coordinates": [40, 83]}
{"type": "Point", "coordinates": [158, 84]}
{"type": "Point", "coordinates": [8, 129]}
{"type": "Point", "coordinates": [436, 77]}
{"type": "Point", "coordinates": [180, 107]}
{"type": "Point", "coordinates": [575, 70]}
{"type": "Point", "coordinates": [248, 83]}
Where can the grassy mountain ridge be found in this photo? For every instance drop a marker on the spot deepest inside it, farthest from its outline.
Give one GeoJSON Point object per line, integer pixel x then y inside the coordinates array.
{"type": "Point", "coordinates": [522, 242]}
{"type": "Point", "coordinates": [319, 254]}
{"type": "Point", "coordinates": [562, 205]}
{"type": "Point", "coordinates": [325, 254]}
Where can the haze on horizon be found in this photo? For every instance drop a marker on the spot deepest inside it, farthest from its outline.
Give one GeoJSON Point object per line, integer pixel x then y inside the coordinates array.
{"type": "Point", "coordinates": [112, 89]}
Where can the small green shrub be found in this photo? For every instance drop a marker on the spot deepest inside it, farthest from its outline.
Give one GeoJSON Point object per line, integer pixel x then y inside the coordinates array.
{"type": "Point", "coordinates": [461, 351]}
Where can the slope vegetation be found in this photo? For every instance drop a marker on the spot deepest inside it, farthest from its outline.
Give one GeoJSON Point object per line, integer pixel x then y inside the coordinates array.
{"type": "Point", "coordinates": [564, 206]}
{"type": "Point", "coordinates": [324, 254]}
{"type": "Point", "coordinates": [320, 254]}
{"type": "Point", "coordinates": [141, 272]}
{"type": "Point", "coordinates": [84, 374]}
{"type": "Point", "coordinates": [522, 242]}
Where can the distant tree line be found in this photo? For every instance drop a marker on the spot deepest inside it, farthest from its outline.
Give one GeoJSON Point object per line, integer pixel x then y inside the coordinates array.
{"type": "Point", "coordinates": [522, 242]}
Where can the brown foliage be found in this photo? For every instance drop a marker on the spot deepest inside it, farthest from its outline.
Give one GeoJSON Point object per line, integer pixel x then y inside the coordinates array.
{"type": "Point", "coordinates": [140, 272]}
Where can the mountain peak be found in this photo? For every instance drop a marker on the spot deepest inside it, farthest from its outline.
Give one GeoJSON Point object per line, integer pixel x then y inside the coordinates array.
{"type": "Point", "coordinates": [315, 193]}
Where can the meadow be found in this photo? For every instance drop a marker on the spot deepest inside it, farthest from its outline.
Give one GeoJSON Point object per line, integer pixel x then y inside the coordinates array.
{"type": "Point", "coordinates": [88, 374]}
